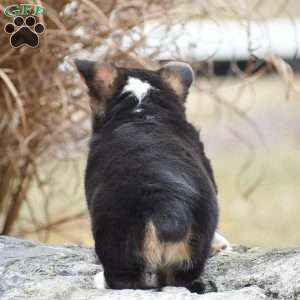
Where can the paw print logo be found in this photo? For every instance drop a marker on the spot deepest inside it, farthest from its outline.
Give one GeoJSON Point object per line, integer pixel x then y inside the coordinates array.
{"type": "Point", "coordinates": [24, 32]}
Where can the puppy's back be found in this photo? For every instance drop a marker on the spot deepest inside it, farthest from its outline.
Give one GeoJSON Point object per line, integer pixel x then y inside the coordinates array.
{"type": "Point", "coordinates": [152, 193]}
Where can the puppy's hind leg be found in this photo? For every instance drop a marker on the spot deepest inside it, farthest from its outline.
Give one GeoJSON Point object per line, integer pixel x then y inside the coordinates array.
{"type": "Point", "coordinates": [120, 254]}
{"type": "Point", "coordinates": [188, 274]}
{"type": "Point", "coordinates": [189, 279]}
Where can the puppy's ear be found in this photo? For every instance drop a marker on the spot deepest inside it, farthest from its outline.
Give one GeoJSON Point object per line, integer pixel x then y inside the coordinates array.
{"type": "Point", "coordinates": [86, 69]}
{"type": "Point", "coordinates": [178, 76]}
{"type": "Point", "coordinates": [101, 79]}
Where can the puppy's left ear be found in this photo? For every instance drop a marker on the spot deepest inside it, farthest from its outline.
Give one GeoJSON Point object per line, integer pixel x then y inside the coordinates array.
{"type": "Point", "coordinates": [101, 79]}
{"type": "Point", "coordinates": [178, 76]}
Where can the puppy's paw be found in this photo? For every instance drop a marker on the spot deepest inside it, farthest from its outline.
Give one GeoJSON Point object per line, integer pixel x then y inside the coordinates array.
{"type": "Point", "coordinates": [196, 287]}
{"type": "Point", "coordinates": [99, 281]}
{"type": "Point", "coordinates": [219, 244]}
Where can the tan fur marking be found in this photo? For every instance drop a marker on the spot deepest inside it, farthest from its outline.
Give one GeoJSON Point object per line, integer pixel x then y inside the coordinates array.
{"type": "Point", "coordinates": [97, 106]}
{"type": "Point", "coordinates": [160, 255]}
{"type": "Point", "coordinates": [173, 80]}
{"type": "Point", "coordinates": [153, 249]}
{"type": "Point", "coordinates": [106, 74]}
{"type": "Point", "coordinates": [177, 253]}
{"type": "Point", "coordinates": [105, 82]}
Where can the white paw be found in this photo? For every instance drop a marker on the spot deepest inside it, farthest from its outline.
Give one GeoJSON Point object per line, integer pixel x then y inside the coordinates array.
{"type": "Point", "coordinates": [99, 281]}
{"type": "Point", "coordinates": [219, 244]}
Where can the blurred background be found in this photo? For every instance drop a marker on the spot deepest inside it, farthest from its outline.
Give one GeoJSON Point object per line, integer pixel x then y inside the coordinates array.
{"type": "Point", "coordinates": [245, 99]}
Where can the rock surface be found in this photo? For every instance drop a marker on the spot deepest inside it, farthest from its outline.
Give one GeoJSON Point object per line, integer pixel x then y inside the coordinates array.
{"type": "Point", "coordinates": [36, 271]}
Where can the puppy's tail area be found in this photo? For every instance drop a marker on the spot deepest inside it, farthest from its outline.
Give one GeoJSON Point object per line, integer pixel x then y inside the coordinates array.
{"type": "Point", "coordinates": [172, 223]}
{"type": "Point", "coordinates": [166, 243]}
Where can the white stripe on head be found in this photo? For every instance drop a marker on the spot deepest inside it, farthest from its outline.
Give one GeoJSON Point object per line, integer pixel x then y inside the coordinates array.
{"type": "Point", "coordinates": [137, 87]}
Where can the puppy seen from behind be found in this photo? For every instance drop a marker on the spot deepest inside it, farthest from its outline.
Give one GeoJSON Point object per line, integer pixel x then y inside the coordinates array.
{"type": "Point", "coordinates": [150, 188]}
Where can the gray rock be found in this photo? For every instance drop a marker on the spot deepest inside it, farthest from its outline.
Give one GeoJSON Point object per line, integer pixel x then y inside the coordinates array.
{"type": "Point", "coordinates": [36, 271]}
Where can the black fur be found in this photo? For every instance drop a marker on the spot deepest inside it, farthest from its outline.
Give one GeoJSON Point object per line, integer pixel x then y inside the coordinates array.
{"type": "Point", "coordinates": [148, 165]}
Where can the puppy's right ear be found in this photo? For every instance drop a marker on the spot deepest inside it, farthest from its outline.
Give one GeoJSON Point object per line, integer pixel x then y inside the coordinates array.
{"type": "Point", "coordinates": [101, 78]}
{"type": "Point", "coordinates": [179, 76]}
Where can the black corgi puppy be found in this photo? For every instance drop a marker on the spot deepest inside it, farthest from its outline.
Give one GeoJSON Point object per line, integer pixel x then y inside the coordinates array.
{"type": "Point", "coordinates": [150, 189]}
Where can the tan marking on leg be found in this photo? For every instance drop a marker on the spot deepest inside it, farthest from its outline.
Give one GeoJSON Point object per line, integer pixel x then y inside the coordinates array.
{"type": "Point", "coordinates": [153, 248]}
{"type": "Point", "coordinates": [159, 255]}
{"type": "Point", "coordinates": [177, 253]}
